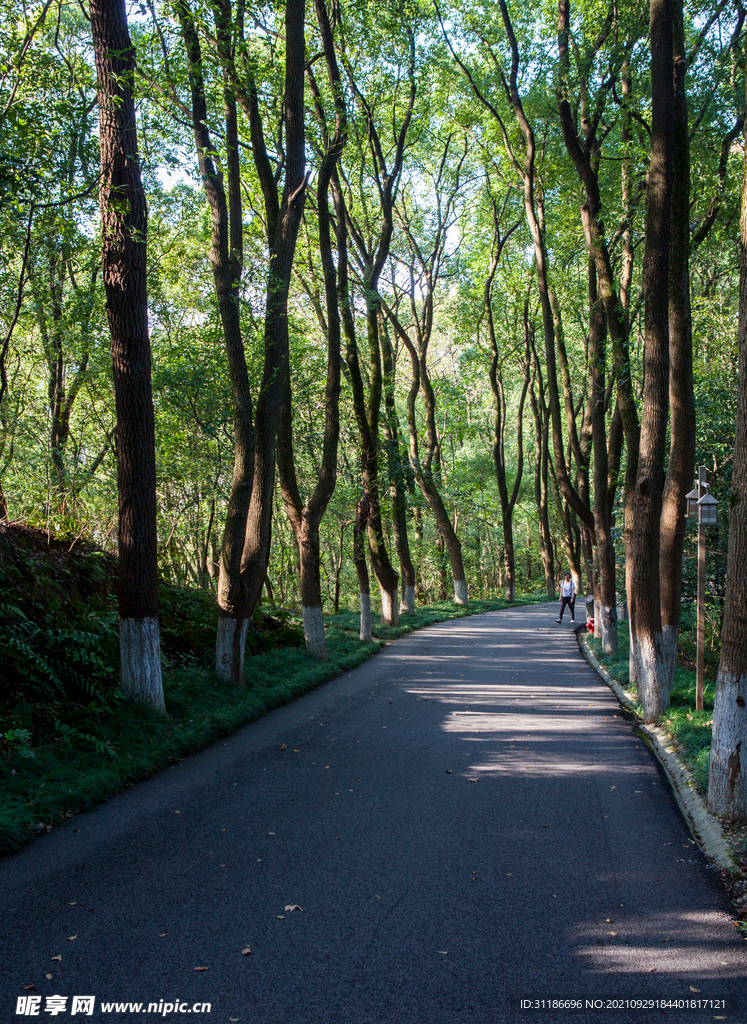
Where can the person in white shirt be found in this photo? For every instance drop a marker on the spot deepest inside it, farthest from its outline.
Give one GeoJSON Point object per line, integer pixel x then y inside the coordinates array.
{"type": "Point", "coordinates": [567, 597]}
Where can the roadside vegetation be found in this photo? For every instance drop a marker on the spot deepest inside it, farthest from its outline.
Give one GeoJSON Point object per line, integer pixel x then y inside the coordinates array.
{"type": "Point", "coordinates": [68, 737]}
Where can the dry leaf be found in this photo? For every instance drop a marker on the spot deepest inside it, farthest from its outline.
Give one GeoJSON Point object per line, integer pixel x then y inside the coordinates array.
{"type": "Point", "coordinates": [608, 920]}
{"type": "Point", "coordinates": [57, 958]}
{"type": "Point", "coordinates": [443, 952]}
{"type": "Point", "coordinates": [613, 787]}
{"type": "Point", "coordinates": [245, 951]}
{"type": "Point", "coordinates": [471, 780]}
{"type": "Point", "coordinates": [71, 938]}
{"type": "Point", "coordinates": [279, 917]}
{"type": "Point", "coordinates": [283, 746]}
{"type": "Point", "coordinates": [162, 935]}
{"type": "Point", "coordinates": [177, 812]}
{"type": "Point", "coordinates": [48, 977]}
{"type": "Point", "coordinates": [292, 907]}
{"type": "Point", "coordinates": [545, 826]}
{"type": "Point", "coordinates": [693, 989]}
{"type": "Point", "coordinates": [448, 771]}
{"type": "Point", "coordinates": [73, 904]}
{"type": "Point", "coordinates": [200, 968]}
{"type": "Point", "coordinates": [651, 970]}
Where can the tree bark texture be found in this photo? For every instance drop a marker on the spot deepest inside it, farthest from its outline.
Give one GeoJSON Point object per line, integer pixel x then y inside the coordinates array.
{"type": "Point", "coordinates": [124, 234]}
{"type": "Point", "coordinates": [226, 248]}
{"type": "Point", "coordinates": [681, 464]}
{"type": "Point", "coordinates": [654, 684]}
{"type": "Point", "coordinates": [305, 519]}
{"type": "Point", "coordinates": [727, 783]}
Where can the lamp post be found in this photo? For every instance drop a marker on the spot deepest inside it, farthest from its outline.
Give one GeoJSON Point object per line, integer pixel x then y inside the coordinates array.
{"type": "Point", "coordinates": [701, 505]}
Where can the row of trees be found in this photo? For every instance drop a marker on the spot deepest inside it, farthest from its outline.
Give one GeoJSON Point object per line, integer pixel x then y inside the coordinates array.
{"type": "Point", "coordinates": [402, 244]}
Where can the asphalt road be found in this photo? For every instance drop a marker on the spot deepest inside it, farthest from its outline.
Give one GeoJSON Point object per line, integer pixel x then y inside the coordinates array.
{"type": "Point", "coordinates": [464, 822]}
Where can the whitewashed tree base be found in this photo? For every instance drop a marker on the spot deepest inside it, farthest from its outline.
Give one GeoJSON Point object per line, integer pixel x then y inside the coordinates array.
{"type": "Point", "coordinates": [407, 602]}
{"type": "Point", "coordinates": [727, 782]}
{"type": "Point", "coordinates": [653, 688]}
{"type": "Point", "coordinates": [365, 600]}
{"type": "Point", "coordinates": [460, 593]}
{"type": "Point", "coordinates": [140, 661]}
{"type": "Point", "coordinates": [225, 648]}
{"type": "Point", "coordinates": [389, 612]}
{"type": "Point", "coordinates": [608, 627]}
{"type": "Point", "coordinates": [313, 631]}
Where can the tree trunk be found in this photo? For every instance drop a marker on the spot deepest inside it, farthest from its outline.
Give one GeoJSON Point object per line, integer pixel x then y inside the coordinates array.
{"type": "Point", "coordinates": [681, 396]}
{"type": "Point", "coordinates": [727, 783]}
{"type": "Point", "coordinates": [654, 684]}
{"type": "Point", "coordinates": [306, 519]}
{"type": "Point", "coordinates": [359, 558]}
{"type": "Point", "coordinates": [124, 233]}
{"type": "Point", "coordinates": [226, 258]}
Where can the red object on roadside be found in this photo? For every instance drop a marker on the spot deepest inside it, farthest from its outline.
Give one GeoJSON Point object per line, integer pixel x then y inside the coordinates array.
{"type": "Point", "coordinates": [590, 625]}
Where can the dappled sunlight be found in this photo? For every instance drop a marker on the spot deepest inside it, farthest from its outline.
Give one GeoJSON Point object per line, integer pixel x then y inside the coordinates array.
{"type": "Point", "coordinates": [663, 943]}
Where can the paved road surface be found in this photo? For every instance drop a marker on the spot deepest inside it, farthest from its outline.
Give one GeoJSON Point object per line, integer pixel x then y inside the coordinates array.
{"type": "Point", "coordinates": [463, 822]}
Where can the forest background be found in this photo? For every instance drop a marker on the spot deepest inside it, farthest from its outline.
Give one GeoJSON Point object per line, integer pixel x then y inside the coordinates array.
{"type": "Point", "coordinates": [399, 316]}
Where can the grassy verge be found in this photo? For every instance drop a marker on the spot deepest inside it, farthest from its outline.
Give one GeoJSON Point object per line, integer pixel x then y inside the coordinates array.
{"type": "Point", "coordinates": [96, 748]}
{"type": "Point", "coordinates": [690, 730]}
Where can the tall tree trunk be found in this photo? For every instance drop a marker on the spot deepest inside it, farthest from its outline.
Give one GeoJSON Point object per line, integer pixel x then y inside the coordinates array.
{"type": "Point", "coordinates": [727, 783]}
{"type": "Point", "coordinates": [124, 233]}
{"type": "Point", "coordinates": [305, 518]}
{"type": "Point", "coordinates": [681, 396]}
{"type": "Point", "coordinates": [226, 258]}
{"type": "Point", "coordinates": [397, 469]}
{"type": "Point", "coordinates": [654, 684]}
{"type": "Point", "coordinates": [359, 558]}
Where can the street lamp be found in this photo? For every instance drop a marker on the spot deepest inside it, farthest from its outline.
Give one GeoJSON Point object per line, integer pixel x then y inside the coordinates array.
{"type": "Point", "coordinates": [701, 505]}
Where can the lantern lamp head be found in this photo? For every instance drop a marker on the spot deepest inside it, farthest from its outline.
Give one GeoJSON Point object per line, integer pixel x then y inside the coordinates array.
{"type": "Point", "coordinates": [708, 510]}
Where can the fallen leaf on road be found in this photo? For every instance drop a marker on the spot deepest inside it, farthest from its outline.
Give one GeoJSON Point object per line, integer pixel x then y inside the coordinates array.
{"type": "Point", "coordinates": [279, 917]}
{"type": "Point", "coordinates": [246, 951]}
{"type": "Point", "coordinates": [71, 938]}
{"type": "Point", "coordinates": [73, 904]}
{"type": "Point", "coordinates": [292, 907]}
{"type": "Point", "coordinates": [177, 812]}
{"type": "Point", "coordinates": [283, 746]}
{"type": "Point", "coordinates": [471, 780]}
{"type": "Point", "coordinates": [27, 987]}
{"type": "Point", "coordinates": [651, 970]}
{"type": "Point", "coordinates": [613, 787]}
{"type": "Point", "coordinates": [448, 771]}
{"type": "Point", "coordinates": [693, 989]}
{"type": "Point", "coordinates": [48, 977]}
{"type": "Point", "coordinates": [545, 826]}
{"type": "Point", "coordinates": [608, 920]}
{"type": "Point", "coordinates": [612, 933]}
{"type": "Point", "coordinates": [57, 958]}
{"type": "Point", "coordinates": [162, 935]}
{"type": "Point", "coordinates": [443, 952]}
{"type": "Point", "coordinates": [199, 968]}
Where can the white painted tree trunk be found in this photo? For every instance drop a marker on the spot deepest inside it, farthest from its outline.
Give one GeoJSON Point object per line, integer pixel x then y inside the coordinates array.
{"type": "Point", "coordinates": [140, 661]}
{"type": "Point", "coordinates": [229, 647]}
{"type": "Point", "coordinates": [389, 612]}
{"type": "Point", "coordinates": [632, 667]}
{"type": "Point", "coordinates": [597, 620]}
{"type": "Point", "coordinates": [727, 782]}
{"type": "Point", "coordinates": [622, 608]}
{"type": "Point", "coordinates": [654, 686]}
{"type": "Point", "coordinates": [407, 602]}
{"type": "Point", "coordinates": [313, 631]}
{"type": "Point", "coordinates": [365, 616]}
{"type": "Point", "coordinates": [608, 628]}
{"type": "Point", "coordinates": [460, 593]}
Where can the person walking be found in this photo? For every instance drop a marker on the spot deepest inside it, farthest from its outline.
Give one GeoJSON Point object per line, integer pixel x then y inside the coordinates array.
{"type": "Point", "coordinates": [567, 597]}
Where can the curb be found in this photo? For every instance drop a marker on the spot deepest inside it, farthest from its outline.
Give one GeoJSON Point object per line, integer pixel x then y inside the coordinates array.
{"type": "Point", "coordinates": [705, 828]}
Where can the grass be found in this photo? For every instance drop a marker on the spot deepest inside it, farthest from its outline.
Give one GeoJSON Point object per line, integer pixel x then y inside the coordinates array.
{"type": "Point", "coordinates": [86, 750]}
{"type": "Point", "coordinates": [690, 730]}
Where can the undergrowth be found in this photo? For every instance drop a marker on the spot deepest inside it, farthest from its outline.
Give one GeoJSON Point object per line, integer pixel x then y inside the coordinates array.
{"type": "Point", "coordinates": [68, 737]}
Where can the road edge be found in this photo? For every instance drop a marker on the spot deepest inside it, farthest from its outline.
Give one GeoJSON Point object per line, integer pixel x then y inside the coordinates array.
{"type": "Point", "coordinates": [705, 828]}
